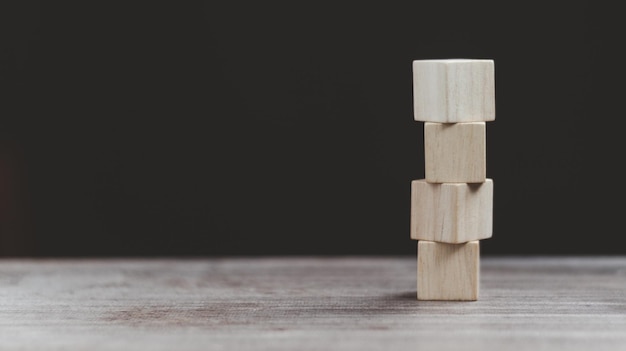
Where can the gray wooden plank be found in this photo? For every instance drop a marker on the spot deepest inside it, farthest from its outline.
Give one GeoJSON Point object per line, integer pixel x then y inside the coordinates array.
{"type": "Point", "coordinates": [310, 303]}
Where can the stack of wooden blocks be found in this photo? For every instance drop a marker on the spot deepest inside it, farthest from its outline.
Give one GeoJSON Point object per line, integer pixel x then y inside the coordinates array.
{"type": "Point", "coordinates": [452, 208]}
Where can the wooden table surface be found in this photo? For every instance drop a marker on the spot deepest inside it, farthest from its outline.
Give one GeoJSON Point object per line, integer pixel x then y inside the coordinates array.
{"type": "Point", "coordinates": [339, 303]}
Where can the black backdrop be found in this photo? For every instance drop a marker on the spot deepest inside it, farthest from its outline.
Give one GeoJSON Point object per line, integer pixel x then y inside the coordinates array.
{"type": "Point", "coordinates": [190, 128]}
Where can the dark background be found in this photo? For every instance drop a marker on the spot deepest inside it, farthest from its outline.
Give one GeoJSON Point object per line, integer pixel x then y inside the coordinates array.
{"type": "Point", "coordinates": [190, 128]}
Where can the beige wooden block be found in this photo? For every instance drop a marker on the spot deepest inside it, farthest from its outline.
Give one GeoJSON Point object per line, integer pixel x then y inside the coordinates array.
{"type": "Point", "coordinates": [451, 212]}
{"type": "Point", "coordinates": [448, 271]}
{"type": "Point", "coordinates": [455, 152]}
{"type": "Point", "coordinates": [454, 90]}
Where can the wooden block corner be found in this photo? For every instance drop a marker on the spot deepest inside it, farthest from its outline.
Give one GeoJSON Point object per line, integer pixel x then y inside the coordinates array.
{"type": "Point", "coordinates": [454, 90]}
{"type": "Point", "coordinates": [451, 213]}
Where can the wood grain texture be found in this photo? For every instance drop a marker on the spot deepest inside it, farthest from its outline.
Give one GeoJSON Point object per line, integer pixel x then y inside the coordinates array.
{"type": "Point", "coordinates": [454, 90]}
{"type": "Point", "coordinates": [314, 303]}
{"type": "Point", "coordinates": [448, 272]}
{"type": "Point", "coordinates": [451, 212]}
{"type": "Point", "coordinates": [455, 152]}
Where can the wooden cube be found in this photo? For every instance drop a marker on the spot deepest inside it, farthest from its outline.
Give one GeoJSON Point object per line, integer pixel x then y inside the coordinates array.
{"type": "Point", "coordinates": [452, 91]}
{"type": "Point", "coordinates": [455, 152]}
{"type": "Point", "coordinates": [451, 212]}
{"type": "Point", "coordinates": [448, 271]}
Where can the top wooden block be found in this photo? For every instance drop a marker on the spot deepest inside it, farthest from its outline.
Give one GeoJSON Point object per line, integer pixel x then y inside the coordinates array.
{"type": "Point", "coordinates": [454, 90]}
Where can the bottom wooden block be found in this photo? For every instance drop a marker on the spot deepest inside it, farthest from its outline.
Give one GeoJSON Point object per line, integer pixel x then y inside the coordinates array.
{"type": "Point", "coordinates": [448, 271]}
